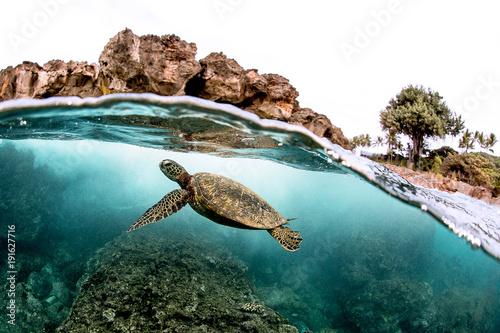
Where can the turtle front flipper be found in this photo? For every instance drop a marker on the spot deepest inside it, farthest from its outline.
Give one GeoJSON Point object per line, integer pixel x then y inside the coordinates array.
{"type": "Point", "coordinates": [288, 238]}
{"type": "Point", "coordinates": [168, 205]}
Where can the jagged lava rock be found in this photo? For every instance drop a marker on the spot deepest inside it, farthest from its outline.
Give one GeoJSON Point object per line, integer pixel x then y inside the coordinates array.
{"type": "Point", "coordinates": [320, 125]}
{"type": "Point", "coordinates": [220, 79]}
{"type": "Point", "coordinates": [166, 66]}
{"type": "Point", "coordinates": [146, 282]}
{"type": "Point", "coordinates": [161, 65]}
{"type": "Point", "coordinates": [223, 80]}
{"type": "Point", "coordinates": [55, 78]}
{"type": "Point", "coordinates": [277, 99]}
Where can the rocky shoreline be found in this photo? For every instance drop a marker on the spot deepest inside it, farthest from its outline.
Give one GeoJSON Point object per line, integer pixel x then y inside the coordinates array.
{"type": "Point", "coordinates": [445, 184]}
{"type": "Point", "coordinates": [166, 66]}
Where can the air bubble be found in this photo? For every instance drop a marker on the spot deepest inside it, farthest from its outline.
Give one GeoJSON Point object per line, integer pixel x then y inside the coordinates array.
{"type": "Point", "coordinates": [346, 164]}
{"type": "Point", "coordinates": [332, 154]}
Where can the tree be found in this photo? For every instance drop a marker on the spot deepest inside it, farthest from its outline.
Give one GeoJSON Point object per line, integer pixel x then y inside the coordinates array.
{"type": "Point", "coordinates": [475, 168]}
{"type": "Point", "coordinates": [467, 141]}
{"type": "Point", "coordinates": [362, 140]}
{"type": "Point", "coordinates": [378, 142]}
{"type": "Point", "coordinates": [480, 139]}
{"type": "Point", "coordinates": [436, 164]}
{"type": "Point", "coordinates": [490, 142]}
{"type": "Point", "coordinates": [393, 143]}
{"type": "Point", "coordinates": [419, 113]}
{"type": "Point", "coordinates": [392, 140]}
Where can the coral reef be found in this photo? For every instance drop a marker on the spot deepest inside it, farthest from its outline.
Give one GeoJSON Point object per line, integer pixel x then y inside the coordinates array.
{"type": "Point", "coordinates": [465, 310]}
{"type": "Point", "coordinates": [150, 283]}
{"type": "Point", "coordinates": [166, 66]}
{"type": "Point", "coordinates": [403, 306]}
{"type": "Point", "coordinates": [386, 306]}
{"type": "Point", "coordinates": [44, 298]}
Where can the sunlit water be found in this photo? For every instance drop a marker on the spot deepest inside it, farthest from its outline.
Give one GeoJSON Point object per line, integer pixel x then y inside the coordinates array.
{"type": "Point", "coordinates": [77, 173]}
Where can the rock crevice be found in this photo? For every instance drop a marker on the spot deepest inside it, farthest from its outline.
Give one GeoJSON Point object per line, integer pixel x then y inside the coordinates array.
{"type": "Point", "coordinates": [166, 66]}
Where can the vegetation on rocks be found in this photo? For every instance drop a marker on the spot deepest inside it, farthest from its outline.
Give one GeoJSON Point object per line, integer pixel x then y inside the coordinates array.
{"type": "Point", "coordinates": [473, 168]}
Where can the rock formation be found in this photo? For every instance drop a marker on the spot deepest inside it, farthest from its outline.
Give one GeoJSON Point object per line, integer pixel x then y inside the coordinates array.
{"type": "Point", "coordinates": [166, 66]}
{"type": "Point", "coordinates": [147, 283]}
{"type": "Point", "coordinates": [55, 78]}
{"type": "Point", "coordinates": [433, 181]}
{"type": "Point", "coordinates": [161, 65]}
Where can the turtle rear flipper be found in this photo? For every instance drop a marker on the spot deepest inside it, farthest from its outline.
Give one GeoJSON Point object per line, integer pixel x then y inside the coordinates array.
{"type": "Point", "coordinates": [288, 238]}
{"type": "Point", "coordinates": [168, 205]}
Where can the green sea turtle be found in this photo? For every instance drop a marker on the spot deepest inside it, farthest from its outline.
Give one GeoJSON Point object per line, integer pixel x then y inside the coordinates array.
{"type": "Point", "coordinates": [221, 200]}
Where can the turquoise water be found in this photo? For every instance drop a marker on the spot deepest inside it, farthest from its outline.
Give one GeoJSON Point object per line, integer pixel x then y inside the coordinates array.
{"type": "Point", "coordinates": [378, 254]}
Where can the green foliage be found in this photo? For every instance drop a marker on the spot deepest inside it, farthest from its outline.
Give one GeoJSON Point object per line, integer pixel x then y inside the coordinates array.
{"type": "Point", "coordinates": [442, 152]}
{"type": "Point", "coordinates": [436, 164]}
{"type": "Point", "coordinates": [485, 142]}
{"type": "Point", "coordinates": [378, 142]}
{"type": "Point", "coordinates": [474, 168]}
{"type": "Point", "coordinates": [362, 140]}
{"type": "Point", "coordinates": [494, 159]}
{"type": "Point", "coordinates": [419, 113]}
{"type": "Point", "coordinates": [467, 141]}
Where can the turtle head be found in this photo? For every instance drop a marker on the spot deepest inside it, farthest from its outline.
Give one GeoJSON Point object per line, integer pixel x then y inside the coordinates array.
{"type": "Point", "coordinates": [172, 170]}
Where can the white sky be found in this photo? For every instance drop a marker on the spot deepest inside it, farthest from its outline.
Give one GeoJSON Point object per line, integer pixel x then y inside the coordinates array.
{"type": "Point", "coordinates": [346, 58]}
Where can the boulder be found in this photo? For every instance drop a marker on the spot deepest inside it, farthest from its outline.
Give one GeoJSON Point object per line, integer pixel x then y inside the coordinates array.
{"type": "Point", "coordinates": [320, 125]}
{"type": "Point", "coordinates": [223, 80]}
{"type": "Point", "coordinates": [146, 282]}
{"type": "Point", "coordinates": [18, 82]}
{"type": "Point", "coordinates": [273, 96]}
{"type": "Point", "coordinates": [161, 65]}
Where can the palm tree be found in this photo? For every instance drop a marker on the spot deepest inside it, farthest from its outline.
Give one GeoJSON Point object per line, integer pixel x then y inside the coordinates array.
{"type": "Point", "coordinates": [480, 139]}
{"type": "Point", "coordinates": [362, 140]}
{"type": "Point", "coordinates": [366, 140]}
{"type": "Point", "coordinates": [378, 142]}
{"type": "Point", "coordinates": [354, 142]}
{"type": "Point", "coordinates": [490, 142]}
{"type": "Point", "coordinates": [392, 140]}
{"type": "Point", "coordinates": [467, 141]}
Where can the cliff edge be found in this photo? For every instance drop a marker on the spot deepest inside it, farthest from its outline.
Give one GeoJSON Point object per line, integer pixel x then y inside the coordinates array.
{"type": "Point", "coordinates": [166, 66]}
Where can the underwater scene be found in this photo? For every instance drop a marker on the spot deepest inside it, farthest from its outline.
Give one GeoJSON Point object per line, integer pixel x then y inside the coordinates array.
{"type": "Point", "coordinates": [377, 254]}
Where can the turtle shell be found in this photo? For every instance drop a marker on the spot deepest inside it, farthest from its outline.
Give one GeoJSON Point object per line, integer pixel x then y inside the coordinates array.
{"type": "Point", "coordinates": [228, 202]}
